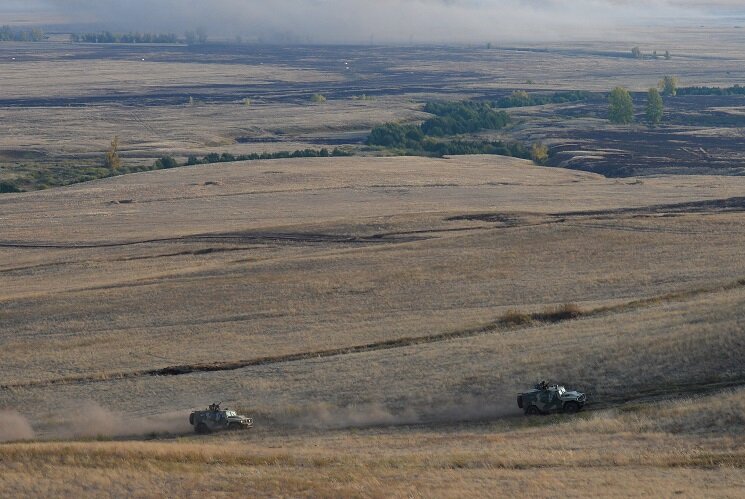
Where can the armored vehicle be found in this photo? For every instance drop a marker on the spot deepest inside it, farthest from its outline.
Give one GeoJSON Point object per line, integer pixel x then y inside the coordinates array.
{"type": "Point", "coordinates": [546, 399]}
{"type": "Point", "coordinates": [216, 419]}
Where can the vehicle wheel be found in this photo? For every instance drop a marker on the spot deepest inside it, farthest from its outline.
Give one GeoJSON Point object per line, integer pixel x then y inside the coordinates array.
{"type": "Point", "coordinates": [532, 410]}
{"type": "Point", "coordinates": [571, 407]}
{"type": "Point", "coordinates": [202, 429]}
{"type": "Point", "coordinates": [234, 427]}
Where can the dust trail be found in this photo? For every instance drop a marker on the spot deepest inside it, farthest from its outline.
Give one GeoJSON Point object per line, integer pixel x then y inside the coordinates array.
{"type": "Point", "coordinates": [14, 427]}
{"type": "Point", "coordinates": [91, 420]}
{"type": "Point", "coordinates": [465, 409]}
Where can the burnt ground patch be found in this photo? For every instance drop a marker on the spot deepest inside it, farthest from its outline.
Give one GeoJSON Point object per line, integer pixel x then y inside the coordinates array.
{"type": "Point", "coordinates": [700, 135]}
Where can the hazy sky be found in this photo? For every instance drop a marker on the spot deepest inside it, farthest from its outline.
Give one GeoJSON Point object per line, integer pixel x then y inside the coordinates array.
{"type": "Point", "coordinates": [386, 20]}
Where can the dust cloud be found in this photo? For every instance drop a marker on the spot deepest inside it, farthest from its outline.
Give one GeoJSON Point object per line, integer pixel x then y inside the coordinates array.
{"type": "Point", "coordinates": [90, 420]}
{"type": "Point", "coordinates": [466, 409]}
{"type": "Point", "coordinates": [14, 427]}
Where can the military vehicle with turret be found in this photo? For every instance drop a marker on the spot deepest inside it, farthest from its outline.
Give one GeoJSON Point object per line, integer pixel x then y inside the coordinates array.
{"type": "Point", "coordinates": [547, 399]}
{"type": "Point", "coordinates": [216, 419]}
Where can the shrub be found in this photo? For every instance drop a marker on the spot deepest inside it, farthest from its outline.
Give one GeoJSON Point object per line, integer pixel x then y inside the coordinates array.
{"type": "Point", "coordinates": [539, 153]}
{"type": "Point", "coordinates": [515, 318]}
{"type": "Point", "coordinates": [558, 314]}
{"type": "Point", "coordinates": [317, 99]}
{"type": "Point", "coordinates": [8, 187]}
{"type": "Point", "coordinates": [165, 162]}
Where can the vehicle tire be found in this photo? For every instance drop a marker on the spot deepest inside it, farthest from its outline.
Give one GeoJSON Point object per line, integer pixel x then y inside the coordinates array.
{"type": "Point", "coordinates": [202, 429]}
{"type": "Point", "coordinates": [234, 427]}
{"type": "Point", "coordinates": [532, 410]}
{"type": "Point", "coordinates": [571, 407]}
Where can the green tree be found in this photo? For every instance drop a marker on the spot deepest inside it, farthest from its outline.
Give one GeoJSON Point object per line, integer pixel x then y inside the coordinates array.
{"type": "Point", "coordinates": [655, 107]}
{"type": "Point", "coordinates": [636, 53]}
{"type": "Point", "coordinates": [317, 99]}
{"type": "Point", "coordinates": [667, 55]}
{"type": "Point", "coordinates": [165, 162]}
{"type": "Point", "coordinates": [621, 106]}
{"type": "Point", "coordinates": [669, 85]}
{"type": "Point", "coordinates": [112, 160]}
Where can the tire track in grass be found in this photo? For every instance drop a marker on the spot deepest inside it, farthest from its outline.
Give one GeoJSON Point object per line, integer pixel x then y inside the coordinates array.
{"type": "Point", "coordinates": [508, 322]}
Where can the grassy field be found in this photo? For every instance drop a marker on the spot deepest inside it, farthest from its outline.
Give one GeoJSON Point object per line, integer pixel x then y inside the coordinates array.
{"type": "Point", "coordinates": [681, 449]}
{"type": "Point", "coordinates": [377, 316]}
{"type": "Point", "coordinates": [441, 275]}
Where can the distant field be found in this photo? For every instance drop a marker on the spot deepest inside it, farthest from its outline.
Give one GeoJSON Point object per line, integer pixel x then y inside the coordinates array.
{"type": "Point", "coordinates": [63, 103]}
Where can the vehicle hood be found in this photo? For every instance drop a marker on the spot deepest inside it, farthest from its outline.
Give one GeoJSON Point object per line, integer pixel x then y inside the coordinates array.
{"type": "Point", "coordinates": [239, 419]}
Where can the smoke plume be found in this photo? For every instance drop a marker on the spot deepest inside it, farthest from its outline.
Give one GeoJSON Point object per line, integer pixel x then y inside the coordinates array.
{"type": "Point", "coordinates": [384, 20]}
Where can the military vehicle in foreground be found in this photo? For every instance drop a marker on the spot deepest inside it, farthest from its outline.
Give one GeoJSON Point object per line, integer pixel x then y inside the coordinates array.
{"type": "Point", "coordinates": [547, 399]}
{"type": "Point", "coordinates": [216, 419]}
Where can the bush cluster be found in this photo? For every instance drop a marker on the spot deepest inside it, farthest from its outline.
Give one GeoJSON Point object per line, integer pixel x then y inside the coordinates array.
{"type": "Point", "coordinates": [227, 157]}
{"type": "Point", "coordinates": [451, 118]}
{"type": "Point", "coordinates": [524, 99]}
{"type": "Point", "coordinates": [455, 118]}
{"type": "Point", "coordinates": [8, 187]}
{"type": "Point", "coordinates": [735, 90]}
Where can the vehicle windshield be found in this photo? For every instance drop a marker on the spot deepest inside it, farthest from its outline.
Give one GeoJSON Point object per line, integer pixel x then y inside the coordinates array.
{"type": "Point", "coordinates": [561, 390]}
{"type": "Point", "coordinates": [230, 413]}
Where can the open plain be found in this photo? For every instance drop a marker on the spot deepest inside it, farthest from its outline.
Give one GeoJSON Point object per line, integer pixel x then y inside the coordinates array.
{"type": "Point", "coordinates": [376, 315]}
{"type": "Point", "coordinates": [329, 294]}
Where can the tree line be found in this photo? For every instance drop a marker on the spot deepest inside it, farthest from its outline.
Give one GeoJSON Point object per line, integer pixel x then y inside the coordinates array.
{"type": "Point", "coordinates": [8, 34]}
{"type": "Point", "coordinates": [193, 37]}
{"type": "Point", "coordinates": [521, 98]}
{"type": "Point", "coordinates": [734, 90]}
{"type": "Point", "coordinates": [109, 37]}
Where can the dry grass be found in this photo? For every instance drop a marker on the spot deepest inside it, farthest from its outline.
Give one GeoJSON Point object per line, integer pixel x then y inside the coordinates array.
{"type": "Point", "coordinates": [575, 456]}
{"type": "Point", "coordinates": [670, 322]}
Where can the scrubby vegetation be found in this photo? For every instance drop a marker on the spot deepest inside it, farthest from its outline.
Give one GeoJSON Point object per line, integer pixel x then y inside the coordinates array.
{"type": "Point", "coordinates": [524, 99]}
{"type": "Point", "coordinates": [455, 118]}
{"type": "Point", "coordinates": [8, 187]}
{"type": "Point", "coordinates": [8, 34]}
{"type": "Point", "coordinates": [227, 157]}
{"type": "Point", "coordinates": [109, 37]}
{"type": "Point", "coordinates": [451, 119]}
{"type": "Point", "coordinates": [35, 178]}
{"type": "Point", "coordinates": [539, 153]}
{"type": "Point", "coordinates": [734, 90]}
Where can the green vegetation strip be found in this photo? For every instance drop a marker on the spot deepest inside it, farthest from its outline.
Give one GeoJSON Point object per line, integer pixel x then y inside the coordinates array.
{"type": "Point", "coordinates": [434, 137]}
{"type": "Point", "coordinates": [69, 174]}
